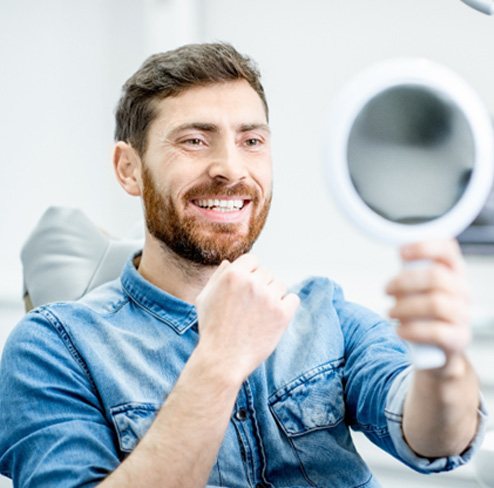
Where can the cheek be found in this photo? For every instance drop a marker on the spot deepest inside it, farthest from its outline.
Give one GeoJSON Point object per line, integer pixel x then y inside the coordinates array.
{"type": "Point", "coordinates": [264, 179]}
{"type": "Point", "coordinates": [262, 170]}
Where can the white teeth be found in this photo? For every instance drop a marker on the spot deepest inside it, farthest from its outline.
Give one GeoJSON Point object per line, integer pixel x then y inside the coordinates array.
{"type": "Point", "coordinates": [221, 205]}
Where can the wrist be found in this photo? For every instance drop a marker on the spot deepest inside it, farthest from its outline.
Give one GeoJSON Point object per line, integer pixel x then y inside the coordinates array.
{"type": "Point", "coordinates": [216, 370]}
{"type": "Point", "coordinates": [456, 368]}
{"type": "Point", "coordinates": [449, 382]}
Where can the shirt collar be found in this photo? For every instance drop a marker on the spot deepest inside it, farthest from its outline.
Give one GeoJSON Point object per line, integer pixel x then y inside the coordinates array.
{"type": "Point", "coordinates": [176, 313]}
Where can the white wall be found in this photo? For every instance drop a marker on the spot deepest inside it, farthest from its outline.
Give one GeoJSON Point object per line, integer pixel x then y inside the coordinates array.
{"type": "Point", "coordinates": [62, 64]}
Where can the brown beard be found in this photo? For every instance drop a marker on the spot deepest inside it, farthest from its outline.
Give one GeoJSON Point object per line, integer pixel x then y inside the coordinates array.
{"type": "Point", "coordinates": [185, 237]}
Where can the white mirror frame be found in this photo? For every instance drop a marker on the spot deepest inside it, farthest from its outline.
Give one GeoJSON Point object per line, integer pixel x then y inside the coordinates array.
{"type": "Point", "coordinates": [346, 108]}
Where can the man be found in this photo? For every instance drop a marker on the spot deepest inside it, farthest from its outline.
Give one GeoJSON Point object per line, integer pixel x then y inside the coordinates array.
{"type": "Point", "coordinates": [198, 366]}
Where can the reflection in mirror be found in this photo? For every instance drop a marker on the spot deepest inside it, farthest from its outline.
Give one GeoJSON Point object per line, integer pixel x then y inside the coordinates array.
{"type": "Point", "coordinates": [410, 154]}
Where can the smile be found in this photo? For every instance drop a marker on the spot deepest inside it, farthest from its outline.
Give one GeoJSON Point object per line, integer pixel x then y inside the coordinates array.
{"type": "Point", "coordinates": [220, 205]}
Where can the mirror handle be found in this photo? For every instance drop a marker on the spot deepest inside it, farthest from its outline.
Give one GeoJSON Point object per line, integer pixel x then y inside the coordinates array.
{"type": "Point", "coordinates": [425, 356]}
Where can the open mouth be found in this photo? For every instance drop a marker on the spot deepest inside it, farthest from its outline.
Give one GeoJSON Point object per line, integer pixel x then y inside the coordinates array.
{"type": "Point", "coordinates": [221, 205]}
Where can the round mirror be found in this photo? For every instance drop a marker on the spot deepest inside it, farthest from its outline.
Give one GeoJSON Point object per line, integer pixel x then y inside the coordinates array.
{"type": "Point", "coordinates": [410, 151]}
{"type": "Point", "coordinates": [410, 157]}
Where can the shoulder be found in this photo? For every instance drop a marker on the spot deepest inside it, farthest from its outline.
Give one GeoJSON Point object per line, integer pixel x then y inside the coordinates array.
{"type": "Point", "coordinates": [317, 292]}
{"type": "Point", "coordinates": [43, 328]}
{"type": "Point", "coordinates": [32, 333]}
{"type": "Point", "coordinates": [98, 303]}
{"type": "Point", "coordinates": [320, 291]}
{"type": "Point", "coordinates": [36, 349]}
{"type": "Point", "coordinates": [314, 286]}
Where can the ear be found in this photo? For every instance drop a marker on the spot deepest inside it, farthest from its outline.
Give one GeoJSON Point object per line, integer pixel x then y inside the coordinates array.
{"type": "Point", "coordinates": [127, 165]}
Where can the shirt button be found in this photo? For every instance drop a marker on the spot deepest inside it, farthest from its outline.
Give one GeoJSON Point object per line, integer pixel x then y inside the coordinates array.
{"type": "Point", "coordinates": [241, 414]}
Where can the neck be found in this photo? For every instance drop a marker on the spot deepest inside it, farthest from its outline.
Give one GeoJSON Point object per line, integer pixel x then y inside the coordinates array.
{"type": "Point", "coordinates": [172, 273]}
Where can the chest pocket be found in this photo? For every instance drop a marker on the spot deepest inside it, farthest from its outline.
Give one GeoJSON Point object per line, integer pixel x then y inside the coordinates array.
{"type": "Point", "coordinates": [312, 401]}
{"type": "Point", "coordinates": [310, 411]}
{"type": "Point", "coordinates": [132, 421]}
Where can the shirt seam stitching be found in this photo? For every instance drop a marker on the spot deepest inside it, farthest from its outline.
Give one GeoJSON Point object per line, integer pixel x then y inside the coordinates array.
{"type": "Point", "coordinates": [174, 324]}
{"type": "Point", "coordinates": [56, 323]}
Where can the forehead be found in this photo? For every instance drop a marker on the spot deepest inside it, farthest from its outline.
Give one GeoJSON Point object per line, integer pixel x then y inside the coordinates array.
{"type": "Point", "coordinates": [233, 102]}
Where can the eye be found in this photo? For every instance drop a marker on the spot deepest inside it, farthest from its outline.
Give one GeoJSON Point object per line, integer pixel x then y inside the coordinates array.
{"type": "Point", "coordinates": [194, 141]}
{"type": "Point", "coordinates": [253, 142]}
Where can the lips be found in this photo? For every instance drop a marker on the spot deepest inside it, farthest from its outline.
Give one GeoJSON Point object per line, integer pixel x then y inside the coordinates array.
{"type": "Point", "coordinates": [220, 204]}
{"type": "Point", "coordinates": [221, 209]}
{"type": "Point", "coordinates": [215, 201]}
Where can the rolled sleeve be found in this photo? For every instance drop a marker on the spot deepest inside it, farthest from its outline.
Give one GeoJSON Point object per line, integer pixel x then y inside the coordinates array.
{"type": "Point", "coordinates": [394, 416]}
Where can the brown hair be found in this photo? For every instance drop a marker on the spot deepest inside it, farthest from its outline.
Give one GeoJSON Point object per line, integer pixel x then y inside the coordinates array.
{"type": "Point", "coordinates": [168, 74]}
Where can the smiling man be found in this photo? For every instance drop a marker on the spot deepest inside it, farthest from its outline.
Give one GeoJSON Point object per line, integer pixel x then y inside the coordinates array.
{"type": "Point", "coordinates": [197, 366]}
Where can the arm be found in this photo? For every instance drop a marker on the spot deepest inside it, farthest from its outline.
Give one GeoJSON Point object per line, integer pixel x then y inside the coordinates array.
{"type": "Point", "coordinates": [440, 414]}
{"type": "Point", "coordinates": [53, 430]}
{"type": "Point", "coordinates": [183, 441]}
{"type": "Point", "coordinates": [242, 313]}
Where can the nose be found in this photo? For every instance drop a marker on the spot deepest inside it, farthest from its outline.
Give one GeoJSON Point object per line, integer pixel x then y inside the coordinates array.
{"type": "Point", "coordinates": [227, 163]}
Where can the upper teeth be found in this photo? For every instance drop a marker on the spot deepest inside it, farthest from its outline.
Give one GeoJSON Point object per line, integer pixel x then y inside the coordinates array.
{"type": "Point", "coordinates": [221, 204]}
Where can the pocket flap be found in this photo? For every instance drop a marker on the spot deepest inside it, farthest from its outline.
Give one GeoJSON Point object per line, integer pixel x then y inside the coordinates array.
{"type": "Point", "coordinates": [312, 401]}
{"type": "Point", "coordinates": [132, 421]}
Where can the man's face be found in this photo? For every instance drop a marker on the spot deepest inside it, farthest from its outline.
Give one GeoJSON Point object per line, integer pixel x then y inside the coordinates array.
{"type": "Point", "coordinates": [207, 172]}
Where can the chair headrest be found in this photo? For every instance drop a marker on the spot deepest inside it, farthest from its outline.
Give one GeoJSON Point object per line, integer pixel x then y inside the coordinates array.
{"type": "Point", "coordinates": [67, 255]}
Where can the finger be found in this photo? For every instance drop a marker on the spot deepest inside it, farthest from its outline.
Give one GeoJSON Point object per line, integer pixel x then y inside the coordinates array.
{"type": "Point", "coordinates": [435, 306]}
{"type": "Point", "coordinates": [263, 275]}
{"type": "Point", "coordinates": [225, 264]}
{"type": "Point", "coordinates": [435, 277]}
{"type": "Point", "coordinates": [290, 302]}
{"type": "Point", "coordinates": [246, 262]}
{"type": "Point", "coordinates": [444, 335]}
{"type": "Point", "coordinates": [446, 252]}
{"type": "Point", "coordinates": [278, 288]}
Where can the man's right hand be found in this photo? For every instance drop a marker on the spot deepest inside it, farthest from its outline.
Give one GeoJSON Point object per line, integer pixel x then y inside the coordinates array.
{"type": "Point", "coordinates": [243, 311]}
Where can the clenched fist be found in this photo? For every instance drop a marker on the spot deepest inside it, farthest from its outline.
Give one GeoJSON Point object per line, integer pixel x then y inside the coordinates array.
{"type": "Point", "coordinates": [243, 311]}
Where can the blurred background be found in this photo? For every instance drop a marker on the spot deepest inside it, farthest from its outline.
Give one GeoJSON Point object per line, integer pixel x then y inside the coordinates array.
{"type": "Point", "coordinates": [62, 63]}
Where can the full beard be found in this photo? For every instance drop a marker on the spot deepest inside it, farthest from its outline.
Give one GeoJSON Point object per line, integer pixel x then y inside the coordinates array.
{"type": "Point", "coordinates": [207, 244]}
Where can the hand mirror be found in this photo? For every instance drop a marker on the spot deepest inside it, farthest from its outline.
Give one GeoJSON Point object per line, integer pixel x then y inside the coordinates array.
{"type": "Point", "coordinates": [409, 157]}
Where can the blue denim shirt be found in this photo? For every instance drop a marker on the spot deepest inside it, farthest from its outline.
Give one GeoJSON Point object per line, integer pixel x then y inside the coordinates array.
{"type": "Point", "coordinates": [80, 384]}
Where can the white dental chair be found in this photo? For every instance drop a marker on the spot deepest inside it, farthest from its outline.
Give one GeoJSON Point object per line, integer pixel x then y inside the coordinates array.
{"type": "Point", "coordinates": [67, 255]}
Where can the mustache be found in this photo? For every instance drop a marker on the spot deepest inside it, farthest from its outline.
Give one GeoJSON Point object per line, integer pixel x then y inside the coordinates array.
{"type": "Point", "coordinates": [220, 188]}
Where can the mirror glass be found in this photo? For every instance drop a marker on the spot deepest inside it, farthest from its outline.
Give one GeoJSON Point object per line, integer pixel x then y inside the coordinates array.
{"type": "Point", "coordinates": [410, 154]}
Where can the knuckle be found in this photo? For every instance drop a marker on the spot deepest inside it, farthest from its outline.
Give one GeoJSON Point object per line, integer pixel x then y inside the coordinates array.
{"type": "Point", "coordinates": [437, 304]}
{"type": "Point", "coordinates": [393, 312]}
{"type": "Point", "coordinates": [421, 248]}
{"type": "Point", "coordinates": [436, 276]}
{"type": "Point", "coordinates": [465, 315]}
{"type": "Point", "coordinates": [233, 276]}
{"type": "Point", "coordinates": [439, 335]}
{"type": "Point", "coordinates": [280, 287]}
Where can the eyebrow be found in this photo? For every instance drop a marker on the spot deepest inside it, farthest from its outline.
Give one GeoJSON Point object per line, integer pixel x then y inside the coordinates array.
{"type": "Point", "coordinates": [213, 128]}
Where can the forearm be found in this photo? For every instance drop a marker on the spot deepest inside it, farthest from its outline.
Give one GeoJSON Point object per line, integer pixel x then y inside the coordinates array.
{"type": "Point", "coordinates": [243, 312]}
{"type": "Point", "coordinates": [440, 413]}
{"type": "Point", "coordinates": [182, 444]}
